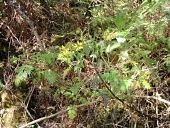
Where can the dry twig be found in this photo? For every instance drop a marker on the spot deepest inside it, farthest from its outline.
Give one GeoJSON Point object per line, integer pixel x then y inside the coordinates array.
{"type": "Point", "coordinates": [55, 114]}
{"type": "Point", "coordinates": [26, 18]}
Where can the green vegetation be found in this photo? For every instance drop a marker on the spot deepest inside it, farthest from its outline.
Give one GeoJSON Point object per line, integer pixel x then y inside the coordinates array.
{"type": "Point", "coordinates": [78, 63]}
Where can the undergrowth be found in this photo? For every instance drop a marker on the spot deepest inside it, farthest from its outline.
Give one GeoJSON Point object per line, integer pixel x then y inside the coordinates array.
{"type": "Point", "coordinates": [105, 64]}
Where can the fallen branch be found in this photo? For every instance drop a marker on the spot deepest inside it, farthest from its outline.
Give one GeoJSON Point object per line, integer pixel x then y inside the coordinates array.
{"type": "Point", "coordinates": [55, 114]}
{"type": "Point", "coordinates": [156, 98]}
{"type": "Point", "coordinates": [26, 18]}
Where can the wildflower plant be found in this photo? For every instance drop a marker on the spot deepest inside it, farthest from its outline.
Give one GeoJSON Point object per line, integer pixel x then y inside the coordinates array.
{"type": "Point", "coordinates": [72, 51]}
{"type": "Point", "coordinates": [65, 54]}
{"type": "Point", "coordinates": [121, 56]}
{"type": "Point", "coordinates": [78, 46]}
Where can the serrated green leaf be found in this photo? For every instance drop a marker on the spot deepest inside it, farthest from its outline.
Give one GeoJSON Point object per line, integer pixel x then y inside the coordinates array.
{"type": "Point", "coordinates": [74, 90]}
{"type": "Point", "coordinates": [23, 73]}
{"type": "Point", "coordinates": [50, 76]}
{"type": "Point", "coordinates": [72, 111]}
{"type": "Point", "coordinates": [95, 94]}
{"type": "Point", "coordinates": [20, 77]}
{"type": "Point", "coordinates": [83, 100]}
{"type": "Point", "coordinates": [14, 59]}
{"type": "Point", "coordinates": [47, 58]}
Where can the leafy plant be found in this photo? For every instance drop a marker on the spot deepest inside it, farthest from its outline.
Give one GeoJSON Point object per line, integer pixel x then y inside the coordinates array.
{"type": "Point", "coordinates": [23, 73]}
{"type": "Point", "coordinates": [119, 44]}
{"type": "Point", "coordinates": [120, 21]}
{"type": "Point", "coordinates": [72, 111]}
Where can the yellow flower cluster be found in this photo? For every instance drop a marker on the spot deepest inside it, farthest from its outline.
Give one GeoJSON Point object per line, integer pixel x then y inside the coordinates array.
{"type": "Point", "coordinates": [66, 51]}
{"type": "Point", "coordinates": [78, 46]}
{"type": "Point", "coordinates": [107, 35]}
{"type": "Point", "coordinates": [134, 62]}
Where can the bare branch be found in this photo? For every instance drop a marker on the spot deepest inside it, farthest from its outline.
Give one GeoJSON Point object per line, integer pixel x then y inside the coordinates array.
{"type": "Point", "coordinates": [55, 114]}
{"type": "Point", "coordinates": [26, 18]}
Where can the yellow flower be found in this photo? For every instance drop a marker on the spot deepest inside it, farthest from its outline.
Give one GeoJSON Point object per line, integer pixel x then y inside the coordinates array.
{"type": "Point", "coordinates": [78, 30]}
{"type": "Point", "coordinates": [107, 35]}
{"type": "Point", "coordinates": [111, 36]}
{"type": "Point", "coordinates": [134, 62]}
{"type": "Point", "coordinates": [66, 53]}
{"type": "Point", "coordinates": [106, 32]}
{"type": "Point", "coordinates": [60, 55]}
{"type": "Point", "coordinates": [78, 46]}
{"type": "Point", "coordinates": [64, 48]}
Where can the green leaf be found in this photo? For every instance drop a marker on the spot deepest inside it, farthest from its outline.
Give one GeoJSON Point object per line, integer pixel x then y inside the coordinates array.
{"type": "Point", "coordinates": [82, 100]}
{"type": "Point", "coordinates": [122, 96]}
{"type": "Point", "coordinates": [146, 52]}
{"type": "Point", "coordinates": [23, 73]}
{"type": "Point", "coordinates": [80, 60]}
{"type": "Point", "coordinates": [168, 62]}
{"type": "Point", "coordinates": [50, 76]}
{"type": "Point", "coordinates": [168, 42]}
{"type": "Point", "coordinates": [128, 82]}
{"type": "Point", "coordinates": [95, 94]}
{"type": "Point", "coordinates": [139, 54]}
{"type": "Point", "coordinates": [146, 84]}
{"type": "Point", "coordinates": [48, 58]}
{"type": "Point", "coordinates": [119, 21]}
{"type": "Point", "coordinates": [1, 84]}
{"type": "Point", "coordinates": [123, 87]}
{"type": "Point", "coordinates": [111, 47]}
{"type": "Point", "coordinates": [14, 59]}
{"type": "Point", "coordinates": [67, 93]}
{"type": "Point", "coordinates": [72, 111]}
{"type": "Point", "coordinates": [74, 90]}
{"type": "Point", "coordinates": [148, 61]}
